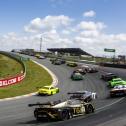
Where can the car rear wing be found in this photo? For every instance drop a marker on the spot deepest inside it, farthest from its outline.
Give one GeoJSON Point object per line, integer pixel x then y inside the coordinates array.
{"type": "Point", "coordinates": [76, 93]}
{"type": "Point", "coordinates": [44, 104]}
{"type": "Point", "coordinates": [39, 104]}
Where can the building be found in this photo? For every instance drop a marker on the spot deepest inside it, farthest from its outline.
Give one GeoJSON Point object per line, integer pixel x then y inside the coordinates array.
{"type": "Point", "coordinates": [69, 51]}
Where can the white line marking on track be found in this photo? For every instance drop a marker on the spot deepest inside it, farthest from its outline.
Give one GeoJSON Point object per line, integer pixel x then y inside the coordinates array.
{"type": "Point", "coordinates": [110, 104]}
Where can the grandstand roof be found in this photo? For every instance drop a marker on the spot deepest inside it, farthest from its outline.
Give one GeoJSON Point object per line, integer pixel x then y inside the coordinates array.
{"type": "Point", "coordinates": [76, 51]}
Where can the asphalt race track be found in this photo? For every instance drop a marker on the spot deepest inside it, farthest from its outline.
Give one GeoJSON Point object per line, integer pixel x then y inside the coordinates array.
{"type": "Point", "coordinates": [108, 111]}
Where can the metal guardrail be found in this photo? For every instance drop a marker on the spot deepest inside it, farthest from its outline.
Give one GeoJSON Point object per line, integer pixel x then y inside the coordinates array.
{"type": "Point", "coordinates": [18, 58]}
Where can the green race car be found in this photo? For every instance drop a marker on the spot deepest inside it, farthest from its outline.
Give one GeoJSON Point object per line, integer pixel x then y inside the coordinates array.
{"type": "Point", "coordinates": [77, 76]}
{"type": "Point", "coordinates": [116, 81]}
{"type": "Point", "coordinates": [48, 90]}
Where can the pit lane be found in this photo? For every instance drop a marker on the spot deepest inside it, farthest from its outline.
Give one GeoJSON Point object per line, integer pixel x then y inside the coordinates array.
{"type": "Point", "coordinates": [17, 113]}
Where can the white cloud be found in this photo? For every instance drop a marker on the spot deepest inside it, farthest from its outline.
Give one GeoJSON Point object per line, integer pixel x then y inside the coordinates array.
{"type": "Point", "coordinates": [88, 33]}
{"type": "Point", "coordinates": [90, 13]}
{"type": "Point", "coordinates": [65, 32]}
{"type": "Point", "coordinates": [90, 25]}
{"type": "Point", "coordinates": [47, 23]}
{"type": "Point", "coordinates": [59, 31]}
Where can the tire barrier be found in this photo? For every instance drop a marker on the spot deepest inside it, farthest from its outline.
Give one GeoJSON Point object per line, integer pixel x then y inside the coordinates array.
{"type": "Point", "coordinates": [17, 78]}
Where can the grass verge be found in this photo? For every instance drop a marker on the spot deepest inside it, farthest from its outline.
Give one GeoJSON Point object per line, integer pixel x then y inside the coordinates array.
{"type": "Point", "coordinates": [7, 67]}
{"type": "Point", "coordinates": [36, 76]}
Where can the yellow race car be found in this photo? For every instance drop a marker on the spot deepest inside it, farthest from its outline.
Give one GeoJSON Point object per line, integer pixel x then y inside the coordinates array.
{"type": "Point", "coordinates": [71, 64]}
{"type": "Point", "coordinates": [48, 90]}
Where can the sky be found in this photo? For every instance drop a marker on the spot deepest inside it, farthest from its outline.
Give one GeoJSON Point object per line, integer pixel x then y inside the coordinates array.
{"type": "Point", "coordinates": [91, 25]}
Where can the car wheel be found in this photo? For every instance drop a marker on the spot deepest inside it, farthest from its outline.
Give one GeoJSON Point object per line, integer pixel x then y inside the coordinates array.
{"type": "Point", "coordinates": [65, 115]}
{"type": "Point", "coordinates": [57, 90]}
{"type": "Point", "coordinates": [70, 115]}
{"type": "Point", "coordinates": [89, 109]}
{"type": "Point", "coordinates": [36, 116]}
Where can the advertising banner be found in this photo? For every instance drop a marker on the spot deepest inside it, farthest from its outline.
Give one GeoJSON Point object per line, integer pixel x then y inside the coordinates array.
{"type": "Point", "coordinates": [12, 80]}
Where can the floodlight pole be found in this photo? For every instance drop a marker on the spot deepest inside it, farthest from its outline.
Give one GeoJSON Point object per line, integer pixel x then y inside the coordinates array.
{"type": "Point", "coordinates": [41, 43]}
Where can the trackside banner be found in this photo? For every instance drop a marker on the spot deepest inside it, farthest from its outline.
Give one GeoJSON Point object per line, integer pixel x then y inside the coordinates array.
{"type": "Point", "coordinates": [12, 80]}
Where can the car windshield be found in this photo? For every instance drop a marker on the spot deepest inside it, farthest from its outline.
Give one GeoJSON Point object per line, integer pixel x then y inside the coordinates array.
{"type": "Point", "coordinates": [73, 102]}
{"type": "Point", "coordinates": [46, 87]}
{"type": "Point", "coordinates": [120, 86]}
{"type": "Point", "coordinates": [117, 80]}
{"type": "Point", "coordinates": [77, 73]}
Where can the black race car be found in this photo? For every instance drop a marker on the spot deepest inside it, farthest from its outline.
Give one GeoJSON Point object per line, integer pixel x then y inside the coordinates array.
{"type": "Point", "coordinates": [61, 110]}
{"type": "Point", "coordinates": [58, 61]}
{"type": "Point", "coordinates": [92, 70]}
{"type": "Point", "coordinates": [108, 76]}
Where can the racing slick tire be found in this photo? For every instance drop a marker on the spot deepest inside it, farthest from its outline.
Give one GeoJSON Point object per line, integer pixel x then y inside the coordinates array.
{"type": "Point", "coordinates": [65, 115]}
{"type": "Point", "coordinates": [36, 116]}
{"type": "Point", "coordinates": [89, 109]}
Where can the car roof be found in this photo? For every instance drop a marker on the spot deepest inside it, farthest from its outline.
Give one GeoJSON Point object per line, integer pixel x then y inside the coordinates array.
{"type": "Point", "coordinates": [110, 74]}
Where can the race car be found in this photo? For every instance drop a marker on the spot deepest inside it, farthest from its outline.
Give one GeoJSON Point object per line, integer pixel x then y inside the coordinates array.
{"type": "Point", "coordinates": [48, 90]}
{"type": "Point", "coordinates": [83, 66]}
{"type": "Point", "coordinates": [80, 70]}
{"type": "Point", "coordinates": [116, 81]}
{"type": "Point", "coordinates": [108, 76]}
{"type": "Point", "coordinates": [87, 96]}
{"type": "Point", "coordinates": [52, 59]}
{"type": "Point", "coordinates": [92, 69]}
{"type": "Point", "coordinates": [61, 110]}
{"type": "Point", "coordinates": [58, 61]}
{"type": "Point", "coordinates": [76, 76]}
{"type": "Point", "coordinates": [71, 64]}
{"type": "Point", "coordinates": [119, 90]}
{"type": "Point", "coordinates": [39, 56]}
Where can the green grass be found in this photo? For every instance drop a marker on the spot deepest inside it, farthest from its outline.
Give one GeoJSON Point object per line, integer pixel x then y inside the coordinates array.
{"type": "Point", "coordinates": [36, 77]}
{"type": "Point", "coordinates": [7, 67]}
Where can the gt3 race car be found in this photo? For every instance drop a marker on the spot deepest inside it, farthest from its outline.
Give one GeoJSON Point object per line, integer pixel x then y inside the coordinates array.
{"type": "Point", "coordinates": [48, 90]}
{"type": "Point", "coordinates": [108, 76]}
{"type": "Point", "coordinates": [119, 90]}
{"type": "Point", "coordinates": [58, 61]}
{"type": "Point", "coordinates": [83, 95]}
{"type": "Point", "coordinates": [92, 69]}
{"type": "Point", "coordinates": [79, 70]}
{"type": "Point", "coordinates": [116, 81]}
{"type": "Point", "coordinates": [61, 111]}
{"type": "Point", "coordinates": [71, 64]}
{"type": "Point", "coordinates": [77, 76]}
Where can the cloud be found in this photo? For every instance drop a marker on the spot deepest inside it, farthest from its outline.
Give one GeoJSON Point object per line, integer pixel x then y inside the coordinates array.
{"type": "Point", "coordinates": [90, 13]}
{"type": "Point", "coordinates": [61, 31]}
{"type": "Point", "coordinates": [66, 32]}
{"type": "Point", "coordinates": [47, 23]}
{"type": "Point", "coordinates": [90, 25]}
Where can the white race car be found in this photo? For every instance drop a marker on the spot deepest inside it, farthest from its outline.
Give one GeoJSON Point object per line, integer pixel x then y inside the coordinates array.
{"type": "Point", "coordinates": [119, 90]}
